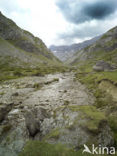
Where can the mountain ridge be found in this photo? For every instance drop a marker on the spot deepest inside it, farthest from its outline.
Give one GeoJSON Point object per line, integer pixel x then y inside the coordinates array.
{"type": "Point", "coordinates": [22, 51]}
{"type": "Point", "coordinates": [67, 51]}
{"type": "Point", "coordinates": [102, 49]}
{"type": "Point", "coordinates": [22, 38]}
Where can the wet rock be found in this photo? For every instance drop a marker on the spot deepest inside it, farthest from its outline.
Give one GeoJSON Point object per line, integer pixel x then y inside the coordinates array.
{"type": "Point", "coordinates": [102, 66]}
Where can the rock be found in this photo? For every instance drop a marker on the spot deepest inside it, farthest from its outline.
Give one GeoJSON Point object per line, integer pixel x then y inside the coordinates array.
{"type": "Point", "coordinates": [7, 152]}
{"type": "Point", "coordinates": [42, 114]}
{"type": "Point", "coordinates": [32, 124]}
{"type": "Point", "coordinates": [15, 94]}
{"type": "Point", "coordinates": [34, 118]}
{"type": "Point", "coordinates": [102, 66]}
{"type": "Point", "coordinates": [13, 112]}
{"type": "Point", "coordinates": [105, 136]}
{"type": "Point", "coordinates": [4, 110]}
{"type": "Point", "coordinates": [54, 123]}
{"type": "Point", "coordinates": [15, 139]}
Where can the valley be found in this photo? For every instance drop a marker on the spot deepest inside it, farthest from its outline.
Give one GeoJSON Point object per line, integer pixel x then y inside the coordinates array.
{"type": "Point", "coordinates": [55, 109]}
{"type": "Point", "coordinates": [52, 108]}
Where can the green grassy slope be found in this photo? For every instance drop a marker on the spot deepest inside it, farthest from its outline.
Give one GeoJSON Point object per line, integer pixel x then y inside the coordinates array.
{"type": "Point", "coordinates": [22, 54]}
{"type": "Point", "coordinates": [23, 39]}
{"type": "Point", "coordinates": [15, 63]}
{"type": "Point", "coordinates": [104, 49]}
{"type": "Point", "coordinates": [102, 84]}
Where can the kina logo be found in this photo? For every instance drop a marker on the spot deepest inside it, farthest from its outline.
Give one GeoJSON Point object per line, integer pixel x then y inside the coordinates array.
{"type": "Point", "coordinates": [99, 150]}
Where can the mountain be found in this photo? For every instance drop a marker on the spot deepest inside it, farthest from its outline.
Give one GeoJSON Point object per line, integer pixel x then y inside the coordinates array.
{"type": "Point", "coordinates": [21, 49]}
{"type": "Point", "coordinates": [64, 52]}
{"type": "Point", "coordinates": [56, 114]}
{"type": "Point", "coordinates": [103, 49]}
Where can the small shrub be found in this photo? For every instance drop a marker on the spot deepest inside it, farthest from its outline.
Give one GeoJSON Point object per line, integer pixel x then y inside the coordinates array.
{"type": "Point", "coordinates": [2, 93]}
{"type": "Point", "coordinates": [6, 128]}
{"type": "Point", "coordinates": [18, 73]}
{"type": "Point", "coordinates": [66, 102]}
{"type": "Point", "coordinates": [37, 86]}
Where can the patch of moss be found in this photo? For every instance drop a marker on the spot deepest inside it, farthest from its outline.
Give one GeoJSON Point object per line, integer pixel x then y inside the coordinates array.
{"type": "Point", "coordinates": [11, 72]}
{"type": "Point", "coordinates": [56, 79]}
{"type": "Point", "coordinates": [5, 128]}
{"type": "Point", "coordinates": [2, 93]}
{"type": "Point", "coordinates": [53, 134]}
{"type": "Point", "coordinates": [92, 115]}
{"type": "Point", "coordinates": [49, 82]}
{"type": "Point", "coordinates": [38, 86]}
{"type": "Point", "coordinates": [66, 102]}
{"type": "Point", "coordinates": [37, 148]}
{"type": "Point", "coordinates": [18, 73]}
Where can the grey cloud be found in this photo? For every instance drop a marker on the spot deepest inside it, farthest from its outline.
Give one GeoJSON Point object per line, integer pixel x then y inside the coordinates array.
{"type": "Point", "coordinates": [79, 11]}
{"type": "Point", "coordinates": [101, 9]}
{"type": "Point", "coordinates": [82, 33]}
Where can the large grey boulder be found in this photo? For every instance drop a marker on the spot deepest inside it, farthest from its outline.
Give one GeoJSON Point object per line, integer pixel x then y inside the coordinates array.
{"type": "Point", "coordinates": [33, 120]}
{"type": "Point", "coordinates": [102, 66]}
{"type": "Point", "coordinates": [32, 124]}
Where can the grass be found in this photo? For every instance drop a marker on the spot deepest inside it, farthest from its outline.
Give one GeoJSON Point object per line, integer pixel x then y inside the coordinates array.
{"type": "Point", "coordinates": [5, 128]}
{"type": "Point", "coordinates": [92, 115]}
{"type": "Point", "coordinates": [104, 101]}
{"type": "Point", "coordinates": [66, 102]}
{"type": "Point", "coordinates": [38, 86]}
{"type": "Point", "coordinates": [92, 80]}
{"type": "Point", "coordinates": [10, 72]}
{"type": "Point", "coordinates": [113, 124]}
{"type": "Point", "coordinates": [54, 80]}
{"type": "Point", "coordinates": [2, 93]}
{"type": "Point", "coordinates": [37, 148]}
{"type": "Point", "coordinates": [12, 67]}
{"type": "Point", "coordinates": [53, 134]}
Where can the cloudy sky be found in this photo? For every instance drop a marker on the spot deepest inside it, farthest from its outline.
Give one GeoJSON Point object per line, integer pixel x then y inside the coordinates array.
{"type": "Point", "coordinates": [62, 21]}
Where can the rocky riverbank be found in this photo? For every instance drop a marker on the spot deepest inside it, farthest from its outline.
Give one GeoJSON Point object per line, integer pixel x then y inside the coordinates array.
{"type": "Point", "coordinates": [54, 108]}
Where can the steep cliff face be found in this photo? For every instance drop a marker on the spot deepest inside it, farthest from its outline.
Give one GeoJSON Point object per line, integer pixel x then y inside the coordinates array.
{"type": "Point", "coordinates": [104, 49]}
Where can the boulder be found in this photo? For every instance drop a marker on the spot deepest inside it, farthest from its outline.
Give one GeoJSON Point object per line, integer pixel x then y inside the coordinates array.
{"type": "Point", "coordinates": [4, 110]}
{"type": "Point", "coordinates": [32, 124]}
{"type": "Point", "coordinates": [33, 119]}
{"type": "Point", "coordinates": [102, 66]}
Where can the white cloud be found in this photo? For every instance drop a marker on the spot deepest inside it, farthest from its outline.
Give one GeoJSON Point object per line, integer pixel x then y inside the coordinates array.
{"type": "Point", "coordinates": [42, 18]}
{"type": "Point", "coordinates": [45, 20]}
